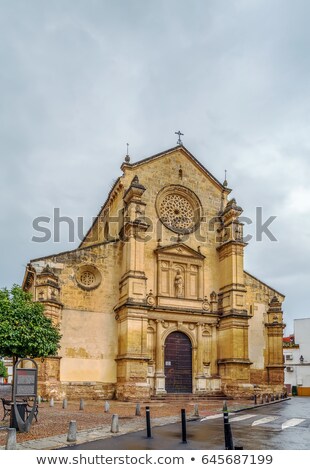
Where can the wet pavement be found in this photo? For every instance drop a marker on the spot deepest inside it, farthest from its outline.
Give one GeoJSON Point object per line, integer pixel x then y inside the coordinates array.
{"type": "Point", "coordinates": [284, 425]}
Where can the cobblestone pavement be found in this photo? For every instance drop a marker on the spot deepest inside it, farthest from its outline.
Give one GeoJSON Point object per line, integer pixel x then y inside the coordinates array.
{"type": "Point", "coordinates": [50, 432]}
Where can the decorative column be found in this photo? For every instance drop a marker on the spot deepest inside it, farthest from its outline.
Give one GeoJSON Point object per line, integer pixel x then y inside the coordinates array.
{"type": "Point", "coordinates": [133, 281]}
{"type": "Point", "coordinates": [275, 326]}
{"type": "Point", "coordinates": [201, 384]}
{"type": "Point", "coordinates": [159, 359]}
{"type": "Point", "coordinates": [47, 291]}
{"type": "Point", "coordinates": [214, 353]}
{"type": "Point", "coordinates": [199, 350]}
{"type": "Point", "coordinates": [131, 312]}
{"type": "Point", "coordinates": [234, 363]}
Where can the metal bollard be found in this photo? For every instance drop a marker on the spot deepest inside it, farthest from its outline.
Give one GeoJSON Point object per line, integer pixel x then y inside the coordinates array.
{"type": "Point", "coordinates": [81, 404]}
{"type": "Point", "coordinates": [229, 445]}
{"type": "Point", "coordinates": [71, 437]}
{"type": "Point", "coordinates": [148, 422]}
{"type": "Point", "coordinates": [64, 403]}
{"type": "Point", "coordinates": [106, 407]}
{"type": "Point", "coordinates": [255, 400]}
{"type": "Point", "coordinates": [138, 409]}
{"type": "Point", "coordinates": [196, 410]}
{"type": "Point", "coordinates": [11, 439]}
{"type": "Point", "coordinates": [52, 402]}
{"type": "Point", "coordinates": [114, 424]}
{"type": "Point", "coordinates": [183, 420]}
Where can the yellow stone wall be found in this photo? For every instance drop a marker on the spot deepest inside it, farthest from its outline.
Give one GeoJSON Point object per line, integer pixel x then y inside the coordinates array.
{"type": "Point", "coordinates": [114, 334]}
{"type": "Point", "coordinates": [88, 346]}
{"type": "Point", "coordinates": [154, 176]}
{"type": "Point", "coordinates": [257, 300]}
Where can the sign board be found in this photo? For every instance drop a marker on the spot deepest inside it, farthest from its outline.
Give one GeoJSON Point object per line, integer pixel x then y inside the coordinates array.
{"type": "Point", "coordinates": [25, 386]}
{"type": "Point", "coordinates": [26, 383]}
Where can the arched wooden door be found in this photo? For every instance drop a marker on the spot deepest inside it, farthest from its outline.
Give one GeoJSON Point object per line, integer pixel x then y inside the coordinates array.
{"type": "Point", "coordinates": [178, 363]}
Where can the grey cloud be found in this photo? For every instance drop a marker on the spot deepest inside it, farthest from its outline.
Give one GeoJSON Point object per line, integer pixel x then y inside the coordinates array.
{"type": "Point", "coordinates": [80, 79]}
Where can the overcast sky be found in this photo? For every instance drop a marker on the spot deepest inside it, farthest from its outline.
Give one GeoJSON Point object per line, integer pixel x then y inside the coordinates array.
{"type": "Point", "coordinates": [79, 79]}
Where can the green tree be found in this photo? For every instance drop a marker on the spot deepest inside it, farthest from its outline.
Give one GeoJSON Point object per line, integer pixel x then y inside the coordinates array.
{"type": "Point", "coordinates": [24, 329]}
{"type": "Point", "coordinates": [3, 370]}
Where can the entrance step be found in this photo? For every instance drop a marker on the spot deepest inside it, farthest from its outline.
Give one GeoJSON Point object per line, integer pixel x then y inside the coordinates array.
{"type": "Point", "coordinates": [217, 395]}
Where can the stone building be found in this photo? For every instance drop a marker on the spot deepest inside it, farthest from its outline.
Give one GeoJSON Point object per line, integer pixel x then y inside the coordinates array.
{"type": "Point", "coordinates": [155, 300]}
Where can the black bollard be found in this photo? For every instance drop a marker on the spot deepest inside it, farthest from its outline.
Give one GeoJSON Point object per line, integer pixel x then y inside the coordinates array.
{"type": "Point", "coordinates": [183, 419]}
{"type": "Point", "coordinates": [229, 445]}
{"type": "Point", "coordinates": [148, 422]}
{"type": "Point", "coordinates": [255, 400]}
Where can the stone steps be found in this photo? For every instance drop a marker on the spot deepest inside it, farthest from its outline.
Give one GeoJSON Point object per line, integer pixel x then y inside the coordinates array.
{"type": "Point", "coordinates": [191, 397]}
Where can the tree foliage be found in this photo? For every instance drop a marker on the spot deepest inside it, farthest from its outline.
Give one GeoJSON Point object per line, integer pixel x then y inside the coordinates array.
{"type": "Point", "coordinates": [3, 370]}
{"type": "Point", "coordinates": [24, 329]}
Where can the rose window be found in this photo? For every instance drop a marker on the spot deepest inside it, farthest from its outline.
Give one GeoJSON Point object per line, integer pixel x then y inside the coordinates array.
{"type": "Point", "coordinates": [178, 208]}
{"type": "Point", "coordinates": [87, 278]}
{"type": "Point", "coordinates": [176, 212]}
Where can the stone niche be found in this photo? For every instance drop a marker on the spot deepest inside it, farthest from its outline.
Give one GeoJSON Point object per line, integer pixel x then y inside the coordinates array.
{"type": "Point", "coordinates": [179, 277]}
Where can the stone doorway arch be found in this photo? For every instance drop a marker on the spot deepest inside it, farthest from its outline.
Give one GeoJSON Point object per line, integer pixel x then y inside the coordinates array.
{"type": "Point", "coordinates": [178, 363]}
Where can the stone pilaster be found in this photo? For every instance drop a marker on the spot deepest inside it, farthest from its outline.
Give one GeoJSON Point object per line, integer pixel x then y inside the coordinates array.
{"type": "Point", "coordinates": [274, 357]}
{"type": "Point", "coordinates": [133, 280]}
{"type": "Point", "coordinates": [159, 371]}
{"type": "Point", "coordinates": [199, 350]}
{"type": "Point", "coordinates": [200, 386]}
{"type": "Point", "coordinates": [232, 288]}
{"type": "Point", "coordinates": [132, 359]}
{"type": "Point", "coordinates": [214, 352]}
{"type": "Point", "coordinates": [234, 363]}
{"type": "Point", "coordinates": [47, 291]}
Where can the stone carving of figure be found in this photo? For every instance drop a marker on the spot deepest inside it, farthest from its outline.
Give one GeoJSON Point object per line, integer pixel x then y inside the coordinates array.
{"type": "Point", "coordinates": [179, 284]}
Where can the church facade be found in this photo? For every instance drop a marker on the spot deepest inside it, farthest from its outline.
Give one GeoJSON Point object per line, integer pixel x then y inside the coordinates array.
{"type": "Point", "coordinates": [155, 300]}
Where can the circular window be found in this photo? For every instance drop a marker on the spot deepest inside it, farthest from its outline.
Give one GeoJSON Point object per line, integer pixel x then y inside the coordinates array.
{"type": "Point", "coordinates": [88, 277]}
{"type": "Point", "coordinates": [179, 209]}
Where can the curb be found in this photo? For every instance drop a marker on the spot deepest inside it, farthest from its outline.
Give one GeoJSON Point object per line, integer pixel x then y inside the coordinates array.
{"type": "Point", "coordinates": [262, 404]}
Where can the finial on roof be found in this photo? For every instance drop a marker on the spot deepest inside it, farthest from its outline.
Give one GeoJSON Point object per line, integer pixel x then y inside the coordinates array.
{"type": "Point", "coordinates": [127, 158]}
{"type": "Point", "coordinates": [225, 181]}
{"type": "Point", "coordinates": [179, 142]}
{"type": "Point", "coordinates": [47, 269]}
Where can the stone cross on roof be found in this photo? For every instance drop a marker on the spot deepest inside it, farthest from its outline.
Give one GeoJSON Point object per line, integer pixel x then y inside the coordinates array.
{"type": "Point", "coordinates": [179, 142]}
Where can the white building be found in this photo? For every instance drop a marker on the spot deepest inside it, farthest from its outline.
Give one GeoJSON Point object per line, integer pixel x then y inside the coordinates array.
{"type": "Point", "coordinates": [297, 358]}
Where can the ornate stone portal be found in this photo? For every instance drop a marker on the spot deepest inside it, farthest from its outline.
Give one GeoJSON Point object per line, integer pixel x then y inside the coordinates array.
{"type": "Point", "coordinates": [155, 300]}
